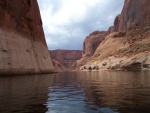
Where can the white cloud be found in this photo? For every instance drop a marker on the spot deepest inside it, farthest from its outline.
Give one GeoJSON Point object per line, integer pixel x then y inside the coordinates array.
{"type": "Point", "coordinates": [67, 22]}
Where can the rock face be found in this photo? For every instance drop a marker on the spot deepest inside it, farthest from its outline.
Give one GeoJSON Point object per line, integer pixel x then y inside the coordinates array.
{"type": "Point", "coordinates": [129, 47]}
{"type": "Point", "coordinates": [92, 41]}
{"type": "Point", "coordinates": [90, 44]}
{"type": "Point", "coordinates": [130, 50]}
{"type": "Point", "coordinates": [66, 57]}
{"type": "Point", "coordinates": [23, 48]}
{"type": "Point", "coordinates": [110, 30]}
{"type": "Point", "coordinates": [134, 13]}
{"type": "Point", "coordinates": [57, 66]}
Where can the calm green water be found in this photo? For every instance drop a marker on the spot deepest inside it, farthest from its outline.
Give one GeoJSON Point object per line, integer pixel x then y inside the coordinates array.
{"type": "Point", "coordinates": [76, 92]}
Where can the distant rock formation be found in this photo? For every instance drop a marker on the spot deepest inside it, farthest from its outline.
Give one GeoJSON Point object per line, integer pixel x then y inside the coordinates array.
{"type": "Point", "coordinates": [92, 41]}
{"type": "Point", "coordinates": [23, 48]}
{"type": "Point", "coordinates": [66, 57]}
{"type": "Point", "coordinates": [127, 45]}
{"type": "Point", "coordinates": [90, 44]}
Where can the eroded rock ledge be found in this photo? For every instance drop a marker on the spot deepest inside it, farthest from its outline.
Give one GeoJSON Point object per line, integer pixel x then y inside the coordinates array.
{"type": "Point", "coordinates": [130, 50]}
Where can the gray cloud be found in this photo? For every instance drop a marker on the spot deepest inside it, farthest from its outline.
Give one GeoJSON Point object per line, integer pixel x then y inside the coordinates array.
{"type": "Point", "coordinates": [67, 28]}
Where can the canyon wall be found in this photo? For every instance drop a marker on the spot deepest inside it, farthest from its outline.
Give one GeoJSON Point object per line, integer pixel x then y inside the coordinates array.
{"type": "Point", "coordinates": [66, 57]}
{"type": "Point", "coordinates": [127, 45]}
{"type": "Point", "coordinates": [134, 13]}
{"type": "Point", "coordinates": [92, 41]}
{"type": "Point", "coordinates": [23, 49]}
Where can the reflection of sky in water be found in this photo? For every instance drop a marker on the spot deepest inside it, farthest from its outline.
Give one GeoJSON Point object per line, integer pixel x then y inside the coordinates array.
{"type": "Point", "coordinates": [71, 98]}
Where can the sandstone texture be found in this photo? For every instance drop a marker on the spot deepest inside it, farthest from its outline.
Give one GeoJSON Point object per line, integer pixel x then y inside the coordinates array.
{"type": "Point", "coordinates": [134, 13]}
{"type": "Point", "coordinates": [127, 45]}
{"type": "Point", "coordinates": [66, 57]}
{"type": "Point", "coordinates": [90, 44]}
{"type": "Point", "coordinates": [127, 50]}
{"type": "Point", "coordinates": [23, 48]}
{"type": "Point", "coordinates": [110, 30]}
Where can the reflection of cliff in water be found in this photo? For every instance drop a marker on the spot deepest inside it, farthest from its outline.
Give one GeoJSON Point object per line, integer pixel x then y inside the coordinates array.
{"type": "Point", "coordinates": [24, 94]}
{"type": "Point", "coordinates": [124, 91]}
{"type": "Point", "coordinates": [118, 90]}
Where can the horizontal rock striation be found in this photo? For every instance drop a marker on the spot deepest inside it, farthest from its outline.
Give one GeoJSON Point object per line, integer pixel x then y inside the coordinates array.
{"type": "Point", "coordinates": [23, 48]}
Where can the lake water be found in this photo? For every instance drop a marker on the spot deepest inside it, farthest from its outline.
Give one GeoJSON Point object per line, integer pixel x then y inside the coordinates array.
{"type": "Point", "coordinates": [76, 92]}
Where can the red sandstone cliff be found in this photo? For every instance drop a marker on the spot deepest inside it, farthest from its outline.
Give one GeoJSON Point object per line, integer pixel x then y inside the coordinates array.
{"type": "Point", "coordinates": [92, 41]}
{"type": "Point", "coordinates": [134, 13]}
{"type": "Point", "coordinates": [66, 57]}
{"type": "Point", "coordinates": [90, 44]}
{"type": "Point", "coordinates": [23, 48]}
{"type": "Point", "coordinates": [128, 44]}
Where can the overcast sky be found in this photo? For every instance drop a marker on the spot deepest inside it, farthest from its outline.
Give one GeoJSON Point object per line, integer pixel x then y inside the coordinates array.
{"type": "Point", "coordinates": [66, 23]}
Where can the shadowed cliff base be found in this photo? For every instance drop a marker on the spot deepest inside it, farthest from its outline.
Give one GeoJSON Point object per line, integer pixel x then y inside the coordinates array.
{"type": "Point", "coordinates": [23, 49]}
